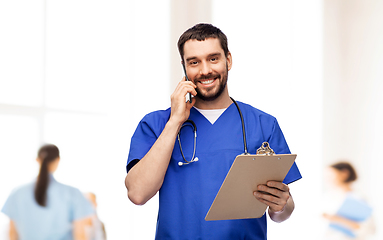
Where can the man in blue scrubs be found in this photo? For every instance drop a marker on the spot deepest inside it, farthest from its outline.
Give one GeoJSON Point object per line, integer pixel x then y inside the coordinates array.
{"type": "Point", "coordinates": [186, 191]}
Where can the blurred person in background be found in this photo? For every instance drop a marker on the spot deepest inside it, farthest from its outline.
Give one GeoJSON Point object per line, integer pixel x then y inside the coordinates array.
{"type": "Point", "coordinates": [95, 229]}
{"type": "Point", "coordinates": [348, 214]}
{"type": "Point", "coordinates": [46, 209]}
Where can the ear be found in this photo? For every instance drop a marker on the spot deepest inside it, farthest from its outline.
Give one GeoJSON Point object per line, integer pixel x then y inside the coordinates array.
{"type": "Point", "coordinates": [229, 61]}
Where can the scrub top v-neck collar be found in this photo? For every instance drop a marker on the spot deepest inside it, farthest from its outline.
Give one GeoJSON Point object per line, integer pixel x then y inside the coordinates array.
{"type": "Point", "coordinates": [212, 115]}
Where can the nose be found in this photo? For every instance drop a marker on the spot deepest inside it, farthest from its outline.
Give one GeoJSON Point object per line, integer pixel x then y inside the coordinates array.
{"type": "Point", "coordinates": [205, 68]}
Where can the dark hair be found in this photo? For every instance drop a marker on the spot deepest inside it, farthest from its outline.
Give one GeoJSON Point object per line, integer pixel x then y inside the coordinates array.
{"type": "Point", "coordinates": [201, 32]}
{"type": "Point", "coordinates": [345, 166]}
{"type": "Point", "coordinates": [47, 153]}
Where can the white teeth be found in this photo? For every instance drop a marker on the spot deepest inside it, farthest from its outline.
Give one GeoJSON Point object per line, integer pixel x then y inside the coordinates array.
{"type": "Point", "coordinates": [207, 81]}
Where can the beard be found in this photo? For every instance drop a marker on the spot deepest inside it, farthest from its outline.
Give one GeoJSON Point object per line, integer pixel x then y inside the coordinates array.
{"type": "Point", "coordinates": [211, 95]}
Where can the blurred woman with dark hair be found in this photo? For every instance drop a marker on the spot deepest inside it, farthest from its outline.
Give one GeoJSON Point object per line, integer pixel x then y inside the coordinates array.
{"type": "Point", "coordinates": [349, 215]}
{"type": "Point", "coordinates": [46, 209]}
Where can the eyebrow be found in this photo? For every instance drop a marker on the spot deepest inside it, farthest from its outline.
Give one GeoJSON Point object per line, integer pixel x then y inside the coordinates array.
{"type": "Point", "coordinates": [217, 54]}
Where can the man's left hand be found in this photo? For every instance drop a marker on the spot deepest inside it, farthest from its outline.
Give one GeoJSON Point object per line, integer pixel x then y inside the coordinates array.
{"type": "Point", "coordinates": [274, 194]}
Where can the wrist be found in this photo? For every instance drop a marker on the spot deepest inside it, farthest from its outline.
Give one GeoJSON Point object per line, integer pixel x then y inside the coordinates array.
{"type": "Point", "coordinates": [284, 214]}
{"type": "Point", "coordinates": [277, 212]}
{"type": "Point", "coordinates": [174, 123]}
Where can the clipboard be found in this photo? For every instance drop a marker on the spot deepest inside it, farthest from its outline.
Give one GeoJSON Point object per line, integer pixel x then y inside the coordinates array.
{"type": "Point", "coordinates": [354, 209]}
{"type": "Point", "coordinates": [235, 199]}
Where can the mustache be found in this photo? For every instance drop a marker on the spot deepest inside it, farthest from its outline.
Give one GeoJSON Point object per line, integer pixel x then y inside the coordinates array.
{"type": "Point", "coordinates": [209, 76]}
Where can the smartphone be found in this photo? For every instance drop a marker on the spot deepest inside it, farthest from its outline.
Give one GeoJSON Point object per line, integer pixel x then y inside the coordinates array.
{"type": "Point", "coordinates": [188, 95]}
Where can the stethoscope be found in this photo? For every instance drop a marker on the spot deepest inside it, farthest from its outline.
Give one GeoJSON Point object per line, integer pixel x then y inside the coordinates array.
{"type": "Point", "coordinates": [192, 124]}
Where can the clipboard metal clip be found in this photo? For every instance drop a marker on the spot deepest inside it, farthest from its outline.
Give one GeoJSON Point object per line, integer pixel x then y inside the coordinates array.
{"type": "Point", "coordinates": [265, 149]}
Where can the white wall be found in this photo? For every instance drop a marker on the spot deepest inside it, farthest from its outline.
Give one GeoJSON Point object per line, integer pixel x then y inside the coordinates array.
{"type": "Point", "coordinates": [69, 75]}
{"type": "Point", "coordinates": [353, 86]}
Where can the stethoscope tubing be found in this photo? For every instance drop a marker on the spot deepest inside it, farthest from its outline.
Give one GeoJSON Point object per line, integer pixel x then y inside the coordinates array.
{"type": "Point", "coordinates": [193, 159]}
{"type": "Point", "coordinates": [195, 142]}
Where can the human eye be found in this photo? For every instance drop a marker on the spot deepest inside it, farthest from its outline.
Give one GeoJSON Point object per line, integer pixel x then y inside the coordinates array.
{"type": "Point", "coordinates": [214, 59]}
{"type": "Point", "coordinates": [193, 63]}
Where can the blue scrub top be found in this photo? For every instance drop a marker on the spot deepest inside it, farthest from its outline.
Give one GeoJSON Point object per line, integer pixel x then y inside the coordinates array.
{"type": "Point", "coordinates": [33, 222]}
{"type": "Point", "coordinates": [188, 191]}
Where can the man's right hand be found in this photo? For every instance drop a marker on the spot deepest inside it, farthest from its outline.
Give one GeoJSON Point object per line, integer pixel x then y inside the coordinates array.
{"type": "Point", "coordinates": [180, 109]}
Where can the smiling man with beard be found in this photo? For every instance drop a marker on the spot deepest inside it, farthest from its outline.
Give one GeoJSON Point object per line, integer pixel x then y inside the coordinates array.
{"type": "Point", "coordinates": [164, 141]}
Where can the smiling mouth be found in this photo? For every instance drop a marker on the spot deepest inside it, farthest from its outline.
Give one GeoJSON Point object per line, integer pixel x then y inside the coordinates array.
{"type": "Point", "coordinates": [208, 81]}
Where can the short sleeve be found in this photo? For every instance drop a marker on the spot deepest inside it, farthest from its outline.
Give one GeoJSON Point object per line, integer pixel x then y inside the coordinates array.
{"type": "Point", "coordinates": [279, 145]}
{"type": "Point", "coordinates": [81, 207]}
{"type": "Point", "coordinates": [145, 135]}
{"type": "Point", "coordinates": [9, 207]}
{"type": "Point", "coordinates": [141, 142]}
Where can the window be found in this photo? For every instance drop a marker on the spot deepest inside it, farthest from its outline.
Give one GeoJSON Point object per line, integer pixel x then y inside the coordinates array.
{"type": "Point", "coordinates": [78, 74]}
